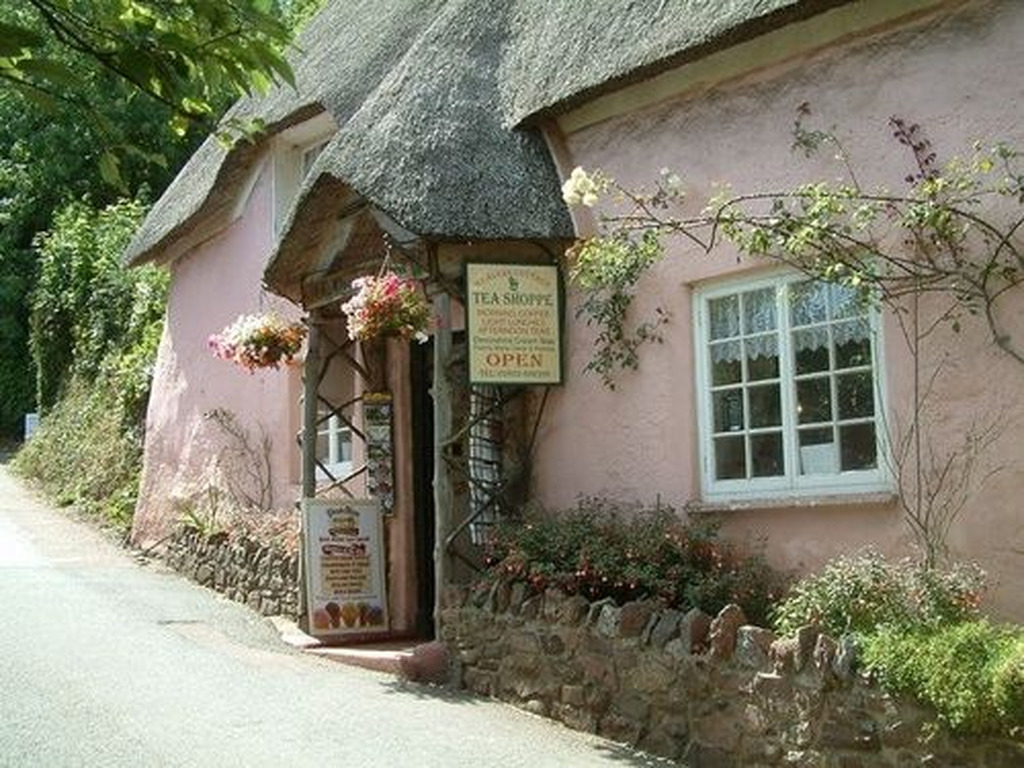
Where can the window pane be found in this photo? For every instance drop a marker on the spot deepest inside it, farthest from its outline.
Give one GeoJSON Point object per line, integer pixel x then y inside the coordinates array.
{"type": "Point", "coordinates": [765, 406]}
{"type": "Point", "coordinates": [345, 445]}
{"type": "Point", "coordinates": [853, 343]}
{"type": "Point", "coordinates": [818, 452]}
{"type": "Point", "coordinates": [847, 302]}
{"type": "Point", "coordinates": [808, 302]}
{"type": "Point", "coordinates": [855, 393]}
{"type": "Point", "coordinates": [725, 363]}
{"type": "Point", "coordinates": [725, 317]}
{"type": "Point", "coordinates": [322, 447]}
{"type": "Point", "coordinates": [814, 400]}
{"type": "Point", "coordinates": [730, 458]}
{"type": "Point", "coordinates": [858, 450]}
{"type": "Point", "coordinates": [814, 387]}
{"type": "Point", "coordinates": [762, 357]}
{"type": "Point", "coordinates": [728, 407]}
{"type": "Point", "coordinates": [759, 311]}
{"type": "Point", "coordinates": [766, 455]}
{"type": "Point", "coordinates": [816, 436]}
{"type": "Point", "coordinates": [810, 350]}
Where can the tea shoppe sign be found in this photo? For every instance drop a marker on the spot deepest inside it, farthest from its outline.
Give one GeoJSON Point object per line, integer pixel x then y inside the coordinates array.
{"type": "Point", "coordinates": [513, 320]}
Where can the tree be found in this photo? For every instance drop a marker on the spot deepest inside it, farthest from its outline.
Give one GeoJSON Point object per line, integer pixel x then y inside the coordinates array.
{"type": "Point", "coordinates": [46, 160]}
{"type": "Point", "coordinates": [95, 84]}
{"type": "Point", "coordinates": [184, 55]}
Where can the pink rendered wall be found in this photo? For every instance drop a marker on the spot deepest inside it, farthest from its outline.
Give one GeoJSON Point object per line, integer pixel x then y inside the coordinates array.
{"type": "Point", "coordinates": [210, 286]}
{"type": "Point", "coordinates": [956, 76]}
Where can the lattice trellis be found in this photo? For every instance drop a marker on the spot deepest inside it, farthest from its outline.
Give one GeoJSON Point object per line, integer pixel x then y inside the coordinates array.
{"type": "Point", "coordinates": [336, 354]}
{"type": "Point", "coordinates": [477, 454]}
{"type": "Point", "coordinates": [475, 457]}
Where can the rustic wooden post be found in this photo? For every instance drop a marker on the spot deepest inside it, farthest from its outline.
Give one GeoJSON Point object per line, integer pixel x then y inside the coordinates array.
{"type": "Point", "coordinates": [310, 383]}
{"type": "Point", "coordinates": [441, 392]}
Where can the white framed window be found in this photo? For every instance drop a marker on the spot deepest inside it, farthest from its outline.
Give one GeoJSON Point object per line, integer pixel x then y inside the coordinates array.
{"type": "Point", "coordinates": [333, 448]}
{"type": "Point", "coordinates": [294, 152]}
{"type": "Point", "coordinates": [789, 385]}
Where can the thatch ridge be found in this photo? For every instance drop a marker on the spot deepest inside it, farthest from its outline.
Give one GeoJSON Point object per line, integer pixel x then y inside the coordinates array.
{"type": "Point", "coordinates": [427, 95]}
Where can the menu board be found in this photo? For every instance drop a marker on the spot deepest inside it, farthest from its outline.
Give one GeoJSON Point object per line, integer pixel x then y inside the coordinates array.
{"type": "Point", "coordinates": [344, 567]}
{"type": "Point", "coordinates": [380, 468]}
{"type": "Point", "coordinates": [513, 320]}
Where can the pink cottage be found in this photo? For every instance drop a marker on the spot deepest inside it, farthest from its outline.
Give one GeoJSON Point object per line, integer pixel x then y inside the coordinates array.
{"type": "Point", "coordinates": [436, 135]}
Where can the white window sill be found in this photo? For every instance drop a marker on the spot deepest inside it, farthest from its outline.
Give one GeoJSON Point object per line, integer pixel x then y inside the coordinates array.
{"type": "Point", "coordinates": [876, 499]}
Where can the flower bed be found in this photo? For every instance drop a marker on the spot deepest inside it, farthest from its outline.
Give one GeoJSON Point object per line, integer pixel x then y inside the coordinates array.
{"type": "Point", "coordinates": [604, 549]}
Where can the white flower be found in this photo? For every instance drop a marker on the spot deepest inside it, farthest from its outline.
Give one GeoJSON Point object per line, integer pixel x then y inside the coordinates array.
{"type": "Point", "coordinates": [581, 189]}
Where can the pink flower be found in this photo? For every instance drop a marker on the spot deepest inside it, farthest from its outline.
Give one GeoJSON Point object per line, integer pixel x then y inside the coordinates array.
{"type": "Point", "coordinates": [388, 305]}
{"type": "Point", "coordinates": [258, 341]}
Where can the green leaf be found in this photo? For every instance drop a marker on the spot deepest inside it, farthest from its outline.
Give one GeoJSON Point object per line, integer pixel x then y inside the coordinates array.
{"type": "Point", "coordinates": [180, 124]}
{"type": "Point", "coordinates": [110, 169]}
{"type": "Point", "coordinates": [44, 101]}
{"type": "Point", "coordinates": [52, 70]}
{"type": "Point", "coordinates": [15, 40]}
{"type": "Point", "coordinates": [150, 157]}
{"type": "Point", "coordinates": [283, 70]}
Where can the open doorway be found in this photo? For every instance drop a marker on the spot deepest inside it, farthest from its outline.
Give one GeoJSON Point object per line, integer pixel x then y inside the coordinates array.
{"type": "Point", "coordinates": [421, 372]}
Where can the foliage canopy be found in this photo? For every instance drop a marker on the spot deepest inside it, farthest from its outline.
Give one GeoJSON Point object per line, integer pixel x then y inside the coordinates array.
{"type": "Point", "coordinates": [95, 332]}
{"type": "Point", "coordinates": [184, 55]}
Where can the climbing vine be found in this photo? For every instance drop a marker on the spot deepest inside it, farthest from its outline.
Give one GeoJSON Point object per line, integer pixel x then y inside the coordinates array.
{"type": "Point", "coordinates": [952, 235]}
{"type": "Point", "coordinates": [953, 232]}
{"type": "Point", "coordinates": [607, 271]}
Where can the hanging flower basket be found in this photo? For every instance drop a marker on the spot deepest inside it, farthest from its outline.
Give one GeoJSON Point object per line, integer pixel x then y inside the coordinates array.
{"type": "Point", "coordinates": [259, 341]}
{"type": "Point", "coordinates": [387, 305]}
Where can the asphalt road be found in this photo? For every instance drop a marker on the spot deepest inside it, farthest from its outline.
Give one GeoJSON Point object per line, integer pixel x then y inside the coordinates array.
{"type": "Point", "coordinates": [107, 662]}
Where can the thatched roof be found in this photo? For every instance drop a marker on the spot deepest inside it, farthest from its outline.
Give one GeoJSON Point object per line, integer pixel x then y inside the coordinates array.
{"type": "Point", "coordinates": [342, 56]}
{"type": "Point", "coordinates": [430, 148]}
{"type": "Point", "coordinates": [567, 52]}
{"type": "Point", "coordinates": [427, 94]}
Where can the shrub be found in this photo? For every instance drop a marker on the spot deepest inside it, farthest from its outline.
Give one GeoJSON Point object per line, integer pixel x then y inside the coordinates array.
{"type": "Point", "coordinates": [971, 672]}
{"type": "Point", "coordinates": [95, 328]}
{"type": "Point", "coordinates": [862, 592]}
{"type": "Point", "coordinates": [88, 450]}
{"type": "Point", "coordinates": [86, 306]}
{"type": "Point", "coordinates": [1008, 684]}
{"type": "Point", "coordinates": [83, 455]}
{"type": "Point", "coordinates": [601, 549]}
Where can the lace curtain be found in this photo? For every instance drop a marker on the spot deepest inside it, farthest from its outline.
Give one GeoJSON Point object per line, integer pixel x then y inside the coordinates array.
{"type": "Point", "coordinates": [758, 314]}
{"type": "Point", "coordinates": [810, 303]}
{"type": "Point", "coordinates": [767, 345]}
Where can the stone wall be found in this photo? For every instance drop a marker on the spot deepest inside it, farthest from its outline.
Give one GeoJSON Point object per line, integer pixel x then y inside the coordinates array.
{"type": "Point", "coordinates": [262, 576]}
{"type": "Point", "coordinates": [712, 692]}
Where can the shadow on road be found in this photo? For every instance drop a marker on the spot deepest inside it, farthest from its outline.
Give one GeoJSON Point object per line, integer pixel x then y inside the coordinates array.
{"type": "Point", "coordinates": [8, 448]}
{"type": "Point", "coordinates": [617, 752]}
{"type": "Point", "coordinates": [431, 692]}
{"type": "Point", "coordinates": [629, 756]}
